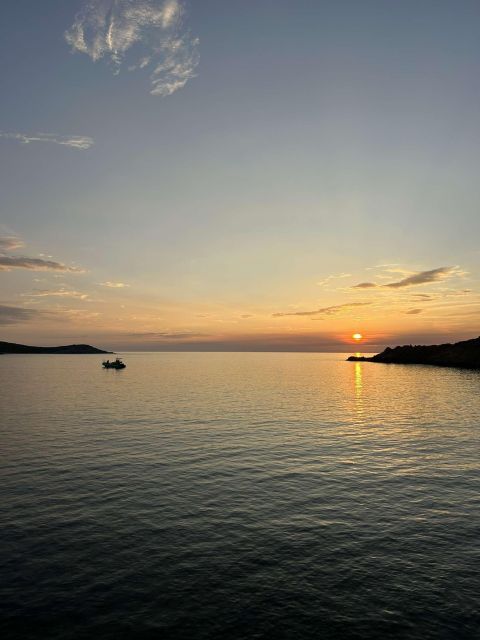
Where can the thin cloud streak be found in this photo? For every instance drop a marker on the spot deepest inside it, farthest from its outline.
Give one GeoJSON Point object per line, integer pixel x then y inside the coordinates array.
{"type": "Point", "coordinates": [328, 279]}
{"type": "Point", "coordinates": [168, 335]}
{"type": "Point", "coordinates": [422, 277]}
{"type": "Point", "coordinates": [113, 285]}
{"type": "Point", "coordinates": [324, 311]}
{"type": "Point", "coordinates": [154, 29]}
{"type": "Point", "coordinates": [7, 263]}
{"type": "Point", "coordinates": [9, 243]}
{"type": "Point", "coordinates": [57, 293]}
{"type": "Point", "coordinates": [16, 315]}
{"type": "Point", "coordinates": [74, 142]}
{"type": "Point", "coordinates": [365, 285]}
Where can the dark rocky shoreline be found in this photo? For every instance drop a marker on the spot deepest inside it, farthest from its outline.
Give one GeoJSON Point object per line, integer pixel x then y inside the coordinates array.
{"type": "Point", "coordinates": [11, 347]}
{"type": "Point", "coordinates": [464, 354]}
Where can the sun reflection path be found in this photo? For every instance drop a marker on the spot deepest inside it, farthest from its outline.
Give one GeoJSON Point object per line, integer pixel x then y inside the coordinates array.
{"type": "Point", "coordinates": [358, 379]}
{"type": "Point", "coordinates": [358, 387]}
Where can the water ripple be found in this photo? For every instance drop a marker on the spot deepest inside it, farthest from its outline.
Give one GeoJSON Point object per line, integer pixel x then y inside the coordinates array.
{"type": "Point", "coordinates": [238, 496]}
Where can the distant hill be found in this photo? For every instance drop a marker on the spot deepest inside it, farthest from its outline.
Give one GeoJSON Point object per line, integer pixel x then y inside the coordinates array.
{"type": "Point", "coordinates": [11, 347]}
{"type": "Point", "coordinates": [460, 354]}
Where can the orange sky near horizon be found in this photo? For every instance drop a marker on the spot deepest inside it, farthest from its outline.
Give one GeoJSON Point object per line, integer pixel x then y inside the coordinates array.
{"type": "Point", "coordinates": [171, 181]}
{"type": "Point", "coordinates": [395, 305]}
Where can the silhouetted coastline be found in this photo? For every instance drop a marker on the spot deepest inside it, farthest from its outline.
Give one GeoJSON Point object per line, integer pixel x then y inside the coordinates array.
{"type": "Point", "coordinates": [464, 354]}
{"type": "Point", "coordinates": [11, 347]}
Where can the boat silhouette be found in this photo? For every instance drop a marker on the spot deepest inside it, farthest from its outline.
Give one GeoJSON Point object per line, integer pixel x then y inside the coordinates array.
{"type": "Point", "coordinates": [115, 364]}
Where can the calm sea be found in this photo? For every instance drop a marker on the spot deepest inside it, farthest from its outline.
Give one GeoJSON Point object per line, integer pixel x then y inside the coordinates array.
{"type": "Point", "coordinates": [203, 496]}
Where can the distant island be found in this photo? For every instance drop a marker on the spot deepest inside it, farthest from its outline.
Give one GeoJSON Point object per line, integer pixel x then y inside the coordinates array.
{"type": "Point", "coordinates": [11, 347]}
{"type": "Point", "coordinates": [460, 354]}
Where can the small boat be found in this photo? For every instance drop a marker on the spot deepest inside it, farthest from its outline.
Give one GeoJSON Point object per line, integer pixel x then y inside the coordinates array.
{"type": "Point", "coordinates": [115, 364]}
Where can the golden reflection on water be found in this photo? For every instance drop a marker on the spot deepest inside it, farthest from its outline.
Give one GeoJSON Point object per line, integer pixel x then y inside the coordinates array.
{"type": "Point", "coordinates": [358, 388]}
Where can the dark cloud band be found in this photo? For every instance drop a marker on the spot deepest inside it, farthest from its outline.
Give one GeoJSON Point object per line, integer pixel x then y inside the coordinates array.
{"type": "Point", "coordinates": [323, 311]}
{"type": "Point", "coordinates": [16, 315]}
{"type": "Point", "coordinates": [34, 264]}
{"type": "Point", "coordinates": [422, 277]}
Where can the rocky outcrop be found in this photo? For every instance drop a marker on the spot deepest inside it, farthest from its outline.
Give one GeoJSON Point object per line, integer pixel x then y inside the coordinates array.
{"type": "Point", "coordinates": [460, 354]}
{"type": "Point", "coordinates": [11, 347]}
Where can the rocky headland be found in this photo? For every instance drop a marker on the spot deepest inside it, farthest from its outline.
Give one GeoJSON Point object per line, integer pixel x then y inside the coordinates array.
{"type": "Point", "coordinates": [11, 347]}
{"type": "Point", "coordinates": [460, 354]}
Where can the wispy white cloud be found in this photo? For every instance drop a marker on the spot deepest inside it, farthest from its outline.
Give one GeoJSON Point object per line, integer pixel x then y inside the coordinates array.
{"type": "Point", "coordinates": [152, 31]}
{"type": "Point", "coordinates": [328, 279]}
{"type": "Point", "coordinates": [75, 142]}
{"type": "Point", "coordinates": [113, 285]}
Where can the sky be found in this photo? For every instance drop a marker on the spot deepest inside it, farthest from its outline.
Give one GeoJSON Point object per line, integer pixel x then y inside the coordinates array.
{"type": "Point", "coordinates": [239, 174]}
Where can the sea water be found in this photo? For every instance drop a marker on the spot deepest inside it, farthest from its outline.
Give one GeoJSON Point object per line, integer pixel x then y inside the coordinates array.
{"type": "Point", "coordinates": [226, 495]}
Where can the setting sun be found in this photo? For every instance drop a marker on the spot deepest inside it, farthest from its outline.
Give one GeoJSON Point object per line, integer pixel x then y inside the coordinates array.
{"type": "Point", "coordinates": [357, 336]}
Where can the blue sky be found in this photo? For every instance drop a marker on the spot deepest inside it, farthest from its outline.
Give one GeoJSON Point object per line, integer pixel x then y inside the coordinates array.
{"type": "Point", "coordinates": [299, 143]}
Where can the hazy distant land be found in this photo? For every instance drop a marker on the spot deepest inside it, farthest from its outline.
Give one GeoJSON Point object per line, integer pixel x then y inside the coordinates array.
{"type": "Point", "coordinates": [460, 354]}
{"type": "Point", "coordinates": [11, 347]}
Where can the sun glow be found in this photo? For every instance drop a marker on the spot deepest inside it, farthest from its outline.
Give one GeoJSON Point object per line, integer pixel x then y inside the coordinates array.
{"type": "Point", "coordinates": [357, 336]}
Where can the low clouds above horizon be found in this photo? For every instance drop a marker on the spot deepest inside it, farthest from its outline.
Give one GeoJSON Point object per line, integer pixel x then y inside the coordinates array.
{"type": "Point", "coordinates": [153, 29]}
{"type": "Point", "coordinates": [113, 285]}
{"type": "Point", "coordinates": [421, 277]}
{"type": "Point", "coordinates": [167, 335]}
{"type": "Point", "coordinates": [59, 293]}
{"type": "Point", "coordinates": [7, 263]}
{"type": "Point", "coordinates": [9, 243]}
{"type": "Point", "coordinates": [15, 315]}
{"type": "Point", "coordinates": [74, 142]}
{"type": "Point", "coordinates": [323, 311]}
